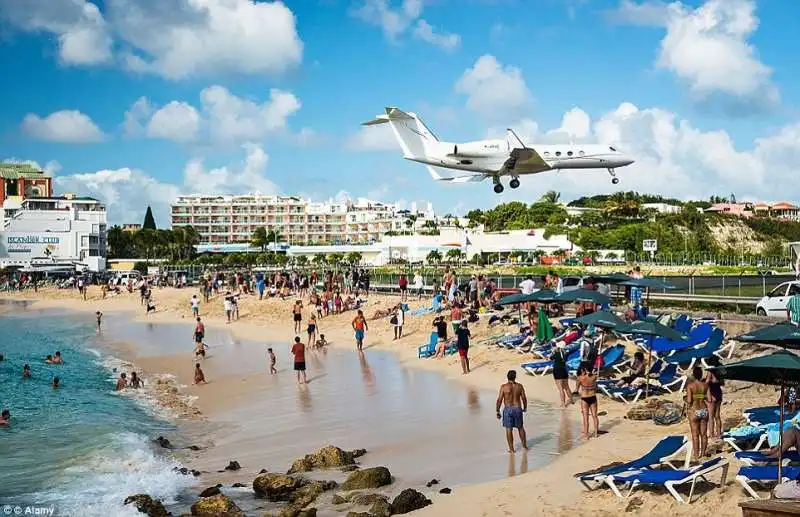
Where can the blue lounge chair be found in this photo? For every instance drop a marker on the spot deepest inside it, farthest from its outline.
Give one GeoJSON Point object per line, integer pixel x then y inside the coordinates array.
{"type": "Point", "coordinates": [669, 378]}
{"type": "Point", "coordinates": [667, 448]}
{"type": "Point", "coordinates": [710, 348]}
{"type": "Point", "coordinates": [430, 348]}
{"type": "Point", "coordinates": [697, 336]}
{"type": "Point", "coordinates": [748, 475]}
{"type": "Point", "coordinates": [544, 367]}
{"type": "Point", "coordinates": [669, 479]}
{"type": "Point", "coordinates": [750, 458]}
{"type": "Point", "coordinates": [738, 438]}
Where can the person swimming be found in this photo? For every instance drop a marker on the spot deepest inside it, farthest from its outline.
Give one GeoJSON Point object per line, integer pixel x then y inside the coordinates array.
{"type": "Point", "coordinates": [122, 382]}
{"type": "Point", "coordinates": [26, 371]}
{"type": "Point", "coordinates": [57, 359]}
{"type": "Point", "coordinates": [56, 383]}
{"type": "Point", "coordinates": [136, 381]}
{"type": "Point", "coordinates": [5, 417]}
{"type": "Point", "coordinates": [48, 359]}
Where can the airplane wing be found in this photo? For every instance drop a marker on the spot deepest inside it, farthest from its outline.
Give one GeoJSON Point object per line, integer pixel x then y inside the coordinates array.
{"type": "Point", "coordinates": [469, 178]}
{"type": "Point", "coordinates": [523, 159]}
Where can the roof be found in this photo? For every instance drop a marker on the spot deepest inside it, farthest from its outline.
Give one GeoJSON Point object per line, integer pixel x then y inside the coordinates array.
{"type": "Point", "coordinates": [12, 171]}
{"type": "Point", "coordinates": [784, 205]}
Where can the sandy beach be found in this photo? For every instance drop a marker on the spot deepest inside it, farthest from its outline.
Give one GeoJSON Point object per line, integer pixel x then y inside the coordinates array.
{"type": "Point", "coordinates": [237, 379]}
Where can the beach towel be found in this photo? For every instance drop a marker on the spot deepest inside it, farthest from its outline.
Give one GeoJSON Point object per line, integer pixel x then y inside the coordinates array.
{"type": "Point", "coordinates": [744, 431]}
{"type": "Point", "coordinates": [773, 437]}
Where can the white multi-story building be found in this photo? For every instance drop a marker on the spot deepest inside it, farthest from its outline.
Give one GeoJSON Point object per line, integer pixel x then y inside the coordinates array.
{"type": "Point", "coordinates": [43, 232]}
{"type": "Point", "coordinates": [233, 219]}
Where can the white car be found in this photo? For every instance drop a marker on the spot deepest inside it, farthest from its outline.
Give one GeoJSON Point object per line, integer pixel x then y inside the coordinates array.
{"type": "Point", "coordinates": [774, 303]}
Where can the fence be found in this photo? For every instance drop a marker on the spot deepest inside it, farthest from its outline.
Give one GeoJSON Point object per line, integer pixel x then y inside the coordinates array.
{"type": "Point", "coordinates": [708, 259]}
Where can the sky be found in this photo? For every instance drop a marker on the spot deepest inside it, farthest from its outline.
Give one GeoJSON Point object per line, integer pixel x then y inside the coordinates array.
{"type": "Point", "coordinates": [138, 101]}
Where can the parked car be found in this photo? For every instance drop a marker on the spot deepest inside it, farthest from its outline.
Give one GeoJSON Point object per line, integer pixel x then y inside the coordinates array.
{"type": "Point", "coordinates": [774, 303]}
{"type": "Point", "coordinates": [571, 283]}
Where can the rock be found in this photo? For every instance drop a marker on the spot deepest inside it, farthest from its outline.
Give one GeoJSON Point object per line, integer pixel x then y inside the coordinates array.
{"type": "Point", "coordinates": [216, 506]}
{"type": "Point", "coordinates": [238, 485]}
{"type": "Point", "coordinates": [233, 465]}
{"type": "Point", "coordinates": [276, 487]}
{"type": "Point", "coordinates": [327, 457]}
{"type": "Point", "coordinates": [357, 453]}
{"type": "Point", "coordinates": [432, 482]}
{"type": "Point", "coordinates": [349, 468]}
{"type": "Point", "coordinates": [163, 442]}
{"type": "Point", "coordinates": [210, 491]}
{"type": "Point", "coordinates": [634, 504]}
{"type": "Point", "coordinates": [194, 448]}
{"type": "Point", "coordinates": [407, 501]}
{"type": "Point", "coordinates": [373, 477]}
{"type": "Point", "coordinates": [337, 499]}
{"type": "Point", "coordinates": [358, 514]}
{"type": "Point", "coordinates": [368, 499]}
{"type": "Point", "coordinates": [183, 470]}
{"type": "Point", "coordinates": [262, 471]}
{"type": "Point", "coordinates": [293, 511]}
{"type": "Point", "coordinates": [380, 508]}
{"type": "Point", "coordinates": [147, 505]}
{"type": "Point", "coordinates": [445, 490]}
{"type": "Point", "coordinates": [308, 512]}
{"type": "Point", "coordinates": [195, 473]}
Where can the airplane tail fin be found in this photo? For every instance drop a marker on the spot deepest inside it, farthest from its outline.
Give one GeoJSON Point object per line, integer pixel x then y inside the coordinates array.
{"type": "Point", "coordinates": [412, 134]}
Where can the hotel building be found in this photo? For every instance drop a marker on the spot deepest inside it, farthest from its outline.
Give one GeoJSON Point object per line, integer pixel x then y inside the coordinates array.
{"type": "Point", "coordinates": [297, 221]}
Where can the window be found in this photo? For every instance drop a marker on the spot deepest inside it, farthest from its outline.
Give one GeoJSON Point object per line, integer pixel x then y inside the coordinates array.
{"type": "Point", "coordinates": [569, 153]}
{"type": "Point", "coordinates": [558, 153]}
{"type": "Point", "coordinates": [794, 289]}
{"type": "Point", "coordinates": [612, 149]}
{"type": "Point", "coordinates": [778, 291]}
{"type": "Point", "coordinates": [581, 153]}
{"type": "Point", "coordinates": [547, 153]}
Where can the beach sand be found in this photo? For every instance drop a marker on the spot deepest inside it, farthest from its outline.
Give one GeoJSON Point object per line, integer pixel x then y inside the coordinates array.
{"type": "Point", "coordinates": [551, 490]}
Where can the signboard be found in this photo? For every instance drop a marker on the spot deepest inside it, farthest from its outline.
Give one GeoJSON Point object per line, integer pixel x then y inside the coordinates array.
{"type": "Point", "coordinates": [650, 245]}
{"type": "Point", "coordinates": [25, 246]}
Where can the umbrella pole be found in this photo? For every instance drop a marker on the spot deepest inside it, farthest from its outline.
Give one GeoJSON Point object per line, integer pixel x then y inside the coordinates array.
{"type": "Point", "coordinates": [780, 436]}
{"type": "Point", "coordinates": [647, 368]}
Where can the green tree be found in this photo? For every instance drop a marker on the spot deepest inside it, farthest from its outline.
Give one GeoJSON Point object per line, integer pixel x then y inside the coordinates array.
{"type": "Point", "coordinates": [149, 221]}
{"type": "Point", "coordinates": [551, 197]}
{"type": "Point", "coordinates": [260, 239]}
{"type": "Point", "coordinates": [434, 257]}
{"type": "Point", "coordinates": [453, 255]}
{"type": "Point", "coordinates": [354, 258]}
{"type": "Point", "coordinates": [301, 260]}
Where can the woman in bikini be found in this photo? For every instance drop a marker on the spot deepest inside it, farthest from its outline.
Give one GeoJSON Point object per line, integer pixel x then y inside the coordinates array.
{"type": "Point", "coordinates": [715, 400]}
{"type": "Point", "coordinates": [587, 389]}
{"type": "Point", "coordinates": [560, 374]}
{"type": "Point", "coordinates": [697, 395]}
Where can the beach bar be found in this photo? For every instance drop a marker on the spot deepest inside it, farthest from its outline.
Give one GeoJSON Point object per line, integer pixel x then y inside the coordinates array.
{"type": "Point", "coordinates": [769, 508]}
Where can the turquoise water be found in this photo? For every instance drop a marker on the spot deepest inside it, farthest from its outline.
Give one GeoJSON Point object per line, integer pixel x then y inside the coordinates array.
{"type": "Point", "coordinates": [82, 447]}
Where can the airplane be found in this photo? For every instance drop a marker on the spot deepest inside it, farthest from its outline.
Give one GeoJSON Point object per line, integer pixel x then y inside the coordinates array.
{"type": "Point", "coordinates": [485, 159]}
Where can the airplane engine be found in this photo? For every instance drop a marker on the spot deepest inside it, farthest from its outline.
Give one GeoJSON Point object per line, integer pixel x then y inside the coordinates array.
{"type": "Point", "coordinates": [485, 149]}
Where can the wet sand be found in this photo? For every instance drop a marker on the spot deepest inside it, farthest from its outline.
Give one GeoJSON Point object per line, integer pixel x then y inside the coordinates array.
{"type": "Point", "coordinates": [546, 491]}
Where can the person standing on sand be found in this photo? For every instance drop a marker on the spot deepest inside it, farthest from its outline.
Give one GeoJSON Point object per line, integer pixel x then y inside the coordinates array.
{"type": "Point", "coordinates": [312, 330]}
{"type": "Point", "coordinates": [512, 397]}
{"type": "Point", "coordinates": [360, 327]}
{"type": "Point", "coordinates": [697, 396]}
{"type": "Point", "coordinates": [297, 315]}
{"type": "Point", "coordinates": [99, 321]}
{"type": "Point", "coordinates": [195, 304]}
{"type": "Point", "coordinates": [403, 284]}
{"type": "Point", "coordinates": [299, 353]}
{"type": "Point", "coordinates": [462, 344]}
{"type": "Point", "coordinates": [587, 389]}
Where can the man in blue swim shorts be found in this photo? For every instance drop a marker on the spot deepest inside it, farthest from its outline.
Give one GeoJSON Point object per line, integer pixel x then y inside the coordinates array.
{"type": "Point", "coordinates": [512, 396]}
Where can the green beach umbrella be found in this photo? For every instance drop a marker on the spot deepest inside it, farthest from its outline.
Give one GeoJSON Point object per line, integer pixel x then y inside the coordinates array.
{"type": "Point", "coordinates": [613, 278]}
{"type": "Point", "coordinates": [584, 295]}
{"type": "Point", "coordinates": [544, 329]}
{"type": "Point", "coordinates": [783, 334]}
{"type": "Point", "coordinates": [780, 368]}
{"type": "Point", "coordinates": [605, 319]}
{"type": "Point", "coordinates": [544, 296]}
{"type": "Point", "coordinates": [514, 299]}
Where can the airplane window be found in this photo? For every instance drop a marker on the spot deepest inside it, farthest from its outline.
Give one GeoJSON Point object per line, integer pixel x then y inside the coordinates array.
{"type": "Point", "coordinates": [614, 150]}
{"type": "Point", "coordinates": [558, 153]}
{"type": "Point", "coordinates": [569, 153]}
{"type": "Point", "coordinates": [547, 153]}
{"type": "Point", "coordinates": [581, 153]}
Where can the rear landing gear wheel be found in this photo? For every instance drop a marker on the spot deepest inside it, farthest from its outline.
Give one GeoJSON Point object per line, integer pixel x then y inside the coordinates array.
{"type": "Point", "coordinates": [514, 183]}
{"type": "Point", "coordinates": [614, 180]}
{"type": "Point", "coordinates": [498, 188]}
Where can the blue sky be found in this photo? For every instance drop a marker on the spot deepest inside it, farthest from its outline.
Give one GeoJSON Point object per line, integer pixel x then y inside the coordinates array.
{"type": "Point", "coordinates": [136, 101]}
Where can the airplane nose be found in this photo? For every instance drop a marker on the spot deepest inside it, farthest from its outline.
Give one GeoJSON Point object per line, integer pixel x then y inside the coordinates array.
{"type": "Point", "coordinates": [625, 160]}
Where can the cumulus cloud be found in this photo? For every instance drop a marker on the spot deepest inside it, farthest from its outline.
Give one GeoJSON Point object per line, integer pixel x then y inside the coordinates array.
{"type": "Point", "coordinates": [373, 138]}
{"type": "Point", "coordinates": [405, 17]}
{"type": "Point", "coordinates": [707, 48]}
{"type": "Point", "coordinates": [66, 126]}
{"type": "Point", "coordinates": [222, 117]}
{"type": "Point", "coordinates": [494, 90]}
{"type": "Point", "coordinates": [128, 191]}
{"type": "Point", "coordinates": [175, 39]}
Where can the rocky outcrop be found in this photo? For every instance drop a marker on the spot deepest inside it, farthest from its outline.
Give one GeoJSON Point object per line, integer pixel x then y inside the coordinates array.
{"type": "Point", "coordinates": [380, 508]}
{"type": "Point", "coordinates": [368, 499]}
{"type": "Point", "coordinates": [147, 505]}
{"type": "Point", "coordinates": [373, 477]}
{"type": "Point", "coordinates": [358, 514]}
{"type": "Point", "coordinates": [407, 501]}
{"type": "Point", "coordinates": [328, 457]}
{"type": "Point", "coordinates": [233, 465]}
{"type": "Point", "coordinates": [163, 442]}
{"type": "Point", "coordinates": [216, 506]}
{"type": "Point", "coordinates": [276, 487]}
{"type": "Point", "coordinates": [210, 491]}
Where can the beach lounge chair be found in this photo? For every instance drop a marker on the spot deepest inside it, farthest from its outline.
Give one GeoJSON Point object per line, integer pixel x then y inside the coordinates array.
{"type": "Point", "coordinates": [542, 368]}
{"type": "Point", "coordinates": [750, 458]}
{"type": "Point", "coordinates": [696, 337]}
{"type": "Point", "coordinates": [748, 476]}
{"type": "Point", "coordinates": [710, 348]}
{"type": "Point", "coordinates": [669, 379]}
{"type": "Point", "coordinates": [739, 437]}
{"type": "Point", "coordinates": [661, 454]}
{"type": "Point", "coordinates": [669, 479]}
{"type": "Point", "coordinates": [428, 349]}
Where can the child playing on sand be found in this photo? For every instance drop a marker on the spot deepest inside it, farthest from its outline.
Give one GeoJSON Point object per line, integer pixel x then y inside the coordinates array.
{"type": "Point", "coordinates": [272, 361]}
{"type": "Point", "coordinates": [199, 376]}
{"type": "Point", "coordinates": [321, 342]}
{"type": "Point", "coordinates": [200, 350]}
{"type": "Point", "coordinates": [195, 303]}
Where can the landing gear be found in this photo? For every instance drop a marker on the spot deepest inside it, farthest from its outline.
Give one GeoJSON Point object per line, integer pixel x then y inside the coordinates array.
{"type": "Point", "coordinates": [514, 183]}
{"type": "Point", "coordinates": [498, 187]}
{"type": "Point", "coordinates": [614, 178]}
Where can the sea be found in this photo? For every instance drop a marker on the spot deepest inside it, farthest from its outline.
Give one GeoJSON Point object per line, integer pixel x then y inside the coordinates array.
{"type": "Point", "coordinates": [81, 449]}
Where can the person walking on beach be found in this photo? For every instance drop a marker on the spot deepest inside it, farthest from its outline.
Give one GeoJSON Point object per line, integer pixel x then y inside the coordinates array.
{"type": "Point", "coordinates": [403, 284]}
{"type": "Point", "coordinates": [560, 374]}
{"type": "Point", "coordinates": [419, 285]}
{"type": "Point", "coordinates": [441, 333]}
{"type": "Point", "coordinates": [272, 361]}
{"type": "Point", "coordinates": [514, 402]}
{"type": "Point", "coordinates": [587, 389]}
{"type": "Point", "coordinates": [697, 394]}
{"type": "Point", "coordinates": [99, 321]}
{"type": "Point", "coordinates": [312, 330]}
{"type": "Point", "coordinates": [398, 320]}
{"type": "Point", "coordinates": [227, 304]}
{"type": "Point", "coordinates": [360, 327]}
{"type": "Point", "coordinates": [462, 344]}
{"type": "Point", "coordinates": [297, 315]}
{"type": "Point", "coordinates": [136, 381]}
{"type": "Point", "coordinates": [299, 353]}
{"type": "Point", "coordinates": [195, 304]}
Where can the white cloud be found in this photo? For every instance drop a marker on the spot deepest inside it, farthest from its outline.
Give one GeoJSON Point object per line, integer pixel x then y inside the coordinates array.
{"type": "Point", "coordinates": [707, 48]}
{"type": "Point", "coordinates": [127, 192]}
{"type": "Point", "coordinates": [444, 40]}
{"type": "Point", "coordinates": [175, 39]}
{"type": "Point", "coordinates": [78, 25]}
{"type": "Point", "coordinates": [66, 126]}
{"type": "Point", "coordinates": [494, 90]}
{"type": "Point", "coordinates": [373, 138]}
{"type": "Point", "coordinates": [222, 117]}
{"type": "Point", "coordinates": [395, 21]}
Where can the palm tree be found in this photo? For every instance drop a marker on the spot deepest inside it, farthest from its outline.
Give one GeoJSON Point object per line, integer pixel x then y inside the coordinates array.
{"type": "Point", "coordinates": [453, 255]}
{"type": "Point", "coordinates": [434, 257]}
{"type": "Point", "coordinates": [260, 239]}
{"type": "Point", "coordinates": [334, 258]}
{"type": "Point", "coordinates": [319, 259]}
{"type": "Point", "coordinates": [410, 221]}
{"type": "Point", "coordinates": [550, 197]}
{"type": "Point", "coordinates": [301, 260]}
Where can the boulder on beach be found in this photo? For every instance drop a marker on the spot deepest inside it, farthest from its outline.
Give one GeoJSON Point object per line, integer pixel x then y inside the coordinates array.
{"type": "Point", "coordinates": [368, 499]}
{"type": "Point", "coordinates": [210, 491]}
{"type": "Point", "coordinates": [308, 493]}
{"type": "Point", "coordinates": [276, 487]}
{"type": "Point", "coordinates": [163, 442]}
{"type": "Point", "coordinates": [233, 465]}
{"type": "Point", "coordinates": [380, 508]}
{"type": "Point", "coordinates": [328, 457]}
{"type": "Point", "coordinates": [216, 506]}
{"type": "Point", "coordinates": [358, 514]}
{"type": "Point", "coordinates": [337, 499]}
{"type": "Point", "coordinates": [373, 477]}
{"type": "Point", "coordinates": [292, 511]}
{"type": "Point", "coordinates": [409, 500]}
{"type": "Point", "coordinates": [147, 505]}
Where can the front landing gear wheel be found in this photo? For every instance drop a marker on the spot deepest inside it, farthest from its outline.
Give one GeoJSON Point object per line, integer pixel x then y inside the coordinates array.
{"type": "Point", "coordinates": [614, 180]}
{"type": "Point", "coordinates": [514, 183]}
{"type": "Point", "coordinates": [498, 188]}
